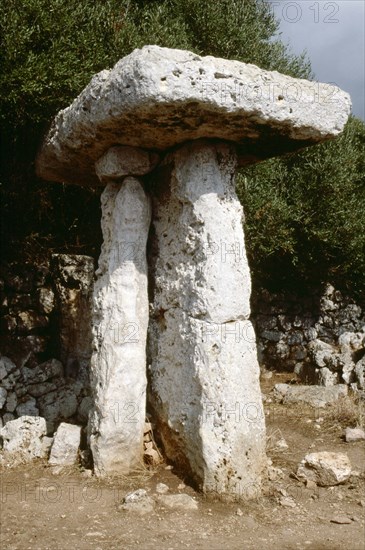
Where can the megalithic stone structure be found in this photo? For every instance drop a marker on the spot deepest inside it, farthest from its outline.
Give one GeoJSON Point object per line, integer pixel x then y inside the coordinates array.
{"type": "Point", "coordinates": [181, 124]}
{"type": "Point", "coordinates": [205, 390]}
{"type": "Point", "coordinates": [118, 365]}
{"type": "Point", "coordinates": [120, 316]}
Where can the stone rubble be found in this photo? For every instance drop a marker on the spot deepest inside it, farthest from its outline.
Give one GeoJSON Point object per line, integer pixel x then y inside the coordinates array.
{"type": "Point", "coordinates": [73, 282]}
{"type": "Point", "coordinates": [354, 434]}
{"type": "Point", "coordinates": [179, 501]}
{"type": "Point", "coordinates": [22, 439]}
{"type": "Point", "coordinates": [320, 337]}
{"type": "Point", "coordinates": [36, 382]}
{"type": "Point", "coordinates": [325, 468]}
{"type": "Point", "coordinates": [138, 502]}
{"type": "Point", "coordinates": [316, 396]}
{"type": "Point", "coordinates": [65, 447]}
{"type": "Point", "coordinates": [151, 453]}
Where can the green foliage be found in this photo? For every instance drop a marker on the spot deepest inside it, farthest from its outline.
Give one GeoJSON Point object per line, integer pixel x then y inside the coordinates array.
{"type": "Point", "coordinates": [306, 214]}
{"type": "Point", "coordinates": [49, 50]}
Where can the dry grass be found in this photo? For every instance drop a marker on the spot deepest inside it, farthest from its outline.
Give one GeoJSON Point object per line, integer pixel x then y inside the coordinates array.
{"type": "Point", "coordinates": [133, 480]}
{"type": "Point", "coordinates": [346, 412]}
{"type": "Point", "coordinates": [272, 437]}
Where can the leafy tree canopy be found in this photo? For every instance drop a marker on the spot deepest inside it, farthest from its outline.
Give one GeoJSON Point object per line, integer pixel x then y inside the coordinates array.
{"type": "Point", "coordinates": [51, 48]}
{"type": "Point", "coordinates": [305, 213]}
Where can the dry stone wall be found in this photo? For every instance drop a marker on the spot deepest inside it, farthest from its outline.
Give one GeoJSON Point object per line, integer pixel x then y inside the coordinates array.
{"type": "Point", "coordinates": [320, 337]}
{"type": "Point", "coordinates": [45, 344]}
{"type": "Point", "coordinates": [45, 361]}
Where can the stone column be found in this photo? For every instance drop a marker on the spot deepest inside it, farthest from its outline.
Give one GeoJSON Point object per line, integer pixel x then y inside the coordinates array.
{"type": "Point", "coordinates": [118, 365]}
{"type": "Point", "coordinates": [204, 372]}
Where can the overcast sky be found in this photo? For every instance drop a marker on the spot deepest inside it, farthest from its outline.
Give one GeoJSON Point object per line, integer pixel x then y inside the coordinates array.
{"type": "Point", "coordinates": [333, 35]}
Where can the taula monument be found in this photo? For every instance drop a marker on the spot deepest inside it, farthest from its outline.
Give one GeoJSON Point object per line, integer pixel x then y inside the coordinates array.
{"type": "Point", "coordinates": [164, 132]}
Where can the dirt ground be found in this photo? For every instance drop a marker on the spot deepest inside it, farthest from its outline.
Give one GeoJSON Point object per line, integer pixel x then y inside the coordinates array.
{"type": "Point", "coordinates": [41, 511]}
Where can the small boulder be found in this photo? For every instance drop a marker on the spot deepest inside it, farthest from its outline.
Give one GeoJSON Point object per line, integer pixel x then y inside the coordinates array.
{"type": "Point", "coordinates": [23, 439]}
{"type": "Point", "coordinates": [179, 501]}
{"type": "Point", "coordinates": [28, 408]}
{"type": "Point", "coordinates": [325, 468]}
{"type": "Point", "coordinates": [354, 434]}
{"type": "Point", "coordinates": [46, 300]}
{"type": "Point", "coordinates": [321, 352]}
{"type": "Point", "coordinates": [162, 488]}
{"type": "Point", "coordinates": [120, 161]}
{"type": "Point", "coordinates": [138, 502]}
{"type": "Point", "coordinates": [360, 373]}
{"type": "Point", "coordinates": [8, 417]}
{"type": "Point", "coordinates": [281, 444]}
{"type": "Point", "coordinates": [65, 446]}
{"type": "Point", "coordinates": [11, 402]}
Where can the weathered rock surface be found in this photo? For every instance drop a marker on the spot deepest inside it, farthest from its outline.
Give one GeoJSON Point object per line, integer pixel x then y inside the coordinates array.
{"type": "Point", "coordinates": [156, 98]}
{"type": "Point", "coordinates": [74, 283]}
{"type": "Point", "coordinates": [3, 396]}
{"type": "Point", "coordinates": [354, 434]}
{"type": "Point", "coordinates": [138, 501]}
{"type": "Point", "coordinates": [325, 468]}
{"type": "Point", "coordinates": [43, 372]}
{"type": "Point", "coordinates": [360, 373]}
{"type": "Point", "coordinates": [60, 404]}
{"type": "Point", "coordinates": [36, 383]}
{"type": "Point", "coordinates": [122, 161]}
{"type": "Point", "coordinates": [65, 446]}
{"type": "Point", "coordinates": [28, 408]}
{"type": "Point", "coordinates": [120, 330]}
{"type": "Point", "coordinates": [179, 501]}
{"type": "Point", "coordinates": [316, 396]}
{"type": "Point", "coordinates": [318, 335]}
{"type": "Point", "coordinates": [23, 439]}
{"type": "Point", "coordinates": [204, 372]}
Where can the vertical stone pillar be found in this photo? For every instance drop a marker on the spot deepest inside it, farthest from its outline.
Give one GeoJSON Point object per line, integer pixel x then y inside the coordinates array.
{"type": "Point", "coordinates": [204, 372]}
{"type": "Point", "coordinates": [120, 320]}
